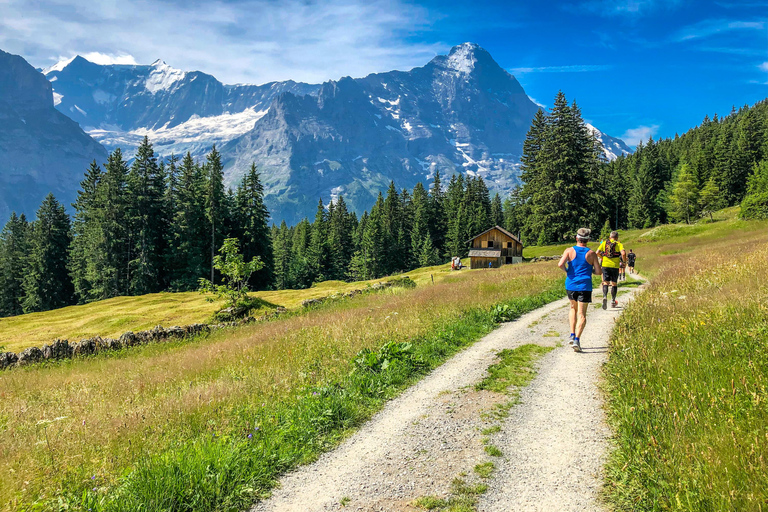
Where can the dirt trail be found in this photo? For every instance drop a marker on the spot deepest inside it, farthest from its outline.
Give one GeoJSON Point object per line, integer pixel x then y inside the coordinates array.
{"type": "Point", "coordinates": [553, 442]}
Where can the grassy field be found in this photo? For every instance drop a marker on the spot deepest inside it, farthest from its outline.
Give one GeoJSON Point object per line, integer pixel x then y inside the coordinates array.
{"type": "Point", "coordinates": [688, 374]}
{"type": "Point", "coordinates": [112, 317]}
{"type": "Point", "coordinates": [208, 424]}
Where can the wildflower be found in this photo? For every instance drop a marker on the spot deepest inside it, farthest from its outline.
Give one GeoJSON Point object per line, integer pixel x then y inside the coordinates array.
{"type": "Point", "coordinates": [93, 477]}
{"type": "Point", "coordinates": [314, 393]}
{"type": "Point", "coordinates": [250, 436]}
{"type": "Point", "coordinates": [256, 429]}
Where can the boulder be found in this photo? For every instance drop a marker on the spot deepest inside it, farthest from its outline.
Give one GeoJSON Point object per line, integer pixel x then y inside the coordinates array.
{"type": "Point", "coordinates": [30, 356]}
{"type": "Point", "coordinates": [313, 302]}
{"type": "Point", "coordinates": [174, 332]}
{"type": "Point", "coordinates": [111, 344]}
{"type": "Point", "coordinates": [195, 329]}
{"type": "Point", "coordinates": [84, 347]}
{"type": "Point", "coordinates": [7, 359]}
{"type": "Point", "coordinates": [128, 339]}
{"type": "Point", "coordinates": [59, 349]}
{"type": "Point", "coordinates": [157, 333]}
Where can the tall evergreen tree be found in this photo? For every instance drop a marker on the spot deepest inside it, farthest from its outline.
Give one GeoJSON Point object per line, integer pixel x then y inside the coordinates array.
{"type": "Point", "coordinates": [86, 233]}
{"type": "Point", "coordinates": [318, 247]}
{"type": "Point", "coordinates": [253, 219]}
{"type": "Point", "coordinates": [145, 192]}
{"type": "Point", "coordinates": [47, 284]}
{"type": "Point", "coordinates": [497, 211]}
{"type": "Point", "coordinates": [14, 253]}
{"type": "Point", "coordinates": [189, 232]}
{"type": "Point", "coordinates": [215, 203]}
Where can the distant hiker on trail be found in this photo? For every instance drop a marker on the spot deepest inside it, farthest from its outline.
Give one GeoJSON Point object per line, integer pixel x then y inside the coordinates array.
{"type": "Point", "coordinates": [579, 263]}
{"type": "Point", "coordinates": [631, 261]}
{"type": "Point", "coordinates": [612, 253]}
{"type": "Point", "coordinates": [622, 271]}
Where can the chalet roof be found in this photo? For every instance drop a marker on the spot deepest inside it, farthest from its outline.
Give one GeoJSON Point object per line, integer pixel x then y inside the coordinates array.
{"type": "Point", "coordinates": [485, 253]}
{"type": "Point", "coordinates": [510, 235]}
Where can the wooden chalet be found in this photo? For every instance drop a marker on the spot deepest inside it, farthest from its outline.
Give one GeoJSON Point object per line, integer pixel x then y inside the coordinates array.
{"type": "Point", "coordinates": [495, 247]}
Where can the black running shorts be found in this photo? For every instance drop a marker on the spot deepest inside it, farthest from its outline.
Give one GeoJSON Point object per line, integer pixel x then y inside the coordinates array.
{"type": "Point", "coordinates": [610, 275]}
{"type": "Point", "coordinates": [583, 296]}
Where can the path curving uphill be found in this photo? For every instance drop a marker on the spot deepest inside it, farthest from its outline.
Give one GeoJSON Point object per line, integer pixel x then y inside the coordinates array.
{"type": "Point", "coordinates": [553, 443]}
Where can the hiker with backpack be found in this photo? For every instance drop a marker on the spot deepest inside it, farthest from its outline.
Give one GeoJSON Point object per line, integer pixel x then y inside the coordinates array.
{"type": "Point", "coordinates": [631, 261]}
{"type": "Point", "coordinates": [579, 263]}
{"type": "Point", "coordinates": [612, 254]}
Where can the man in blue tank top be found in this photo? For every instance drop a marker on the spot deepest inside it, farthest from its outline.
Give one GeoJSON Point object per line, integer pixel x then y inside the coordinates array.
{"type": "Point", "coordinates": [579, 263]}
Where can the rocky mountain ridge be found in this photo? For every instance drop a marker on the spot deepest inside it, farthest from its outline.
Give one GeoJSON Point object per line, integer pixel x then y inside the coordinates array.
{"type": "Point", "coordinates": [41, 149]}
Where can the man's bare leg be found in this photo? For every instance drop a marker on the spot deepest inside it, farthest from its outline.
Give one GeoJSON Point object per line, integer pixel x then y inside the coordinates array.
{"type": "Point", "coordinates": [581, 319]}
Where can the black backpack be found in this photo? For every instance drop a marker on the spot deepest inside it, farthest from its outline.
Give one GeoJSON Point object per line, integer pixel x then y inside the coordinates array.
{"type": "Point", "coordinates": [610, 249]}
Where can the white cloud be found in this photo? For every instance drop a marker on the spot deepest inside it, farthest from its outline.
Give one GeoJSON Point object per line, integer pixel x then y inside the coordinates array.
{"type": "Point", "coordinates": [536, 102]}
{"type": "Point", "coordinates": [763, 66]}
{"type": "Point", "coordinates": [627, 7]}
{"type": "Point", "coordinates": [577, 68]}
{"type": "Point", "coordinates": [642, 133]}
{"type": "Point", "coordinates": [109, 58]}
{"type": "Point", "coordinates": [707, 28]}
{"type": "Point", "coordinates": [251, 41]}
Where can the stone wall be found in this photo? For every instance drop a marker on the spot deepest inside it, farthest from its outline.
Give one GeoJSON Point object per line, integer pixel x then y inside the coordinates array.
{"type": "Point", "coordinates": [64, 349]}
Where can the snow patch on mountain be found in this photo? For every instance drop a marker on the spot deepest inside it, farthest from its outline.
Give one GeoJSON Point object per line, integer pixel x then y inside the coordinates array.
{"type": "Point", "coordinates": [162, 77]}
{"type": "Point", "coordinates": [462, 58]}
{"type": "Point", "coordinates": [612, 146]}
{"type": "Point", "coordinates": [59, 66]}
{"type": "Point", "coordinates": [56, 98]}
{"type": "Point", "coordinates": [196, 135]}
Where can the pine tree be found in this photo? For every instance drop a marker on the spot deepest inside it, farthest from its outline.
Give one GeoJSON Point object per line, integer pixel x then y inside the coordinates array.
{"type": "Point", "coordinates": [253, 219]}
{"type": "Point", "coordinates": [684, 200]}
{"type": "Point", "coordinates": [339, 239]}
{"type": "Point", "coordinates": [189, 228]}
{"type": "Point", "coordinates": [108, 264]}
{"type": "Point", "coordinates": [438, 222]}
{"type": "Point", "coordinates": [215, 206]}
{"type": "Point", "coordinates": [85, 233]}
{"type": "Point", "coordinates": [47, 284]}
{"type": "Point", "coordinates": [318, 247]}
{"type": "Point", "coordinates": [710, 199]}
{"type": "Point", "coordinates": [559, 171]}
{"type": "Point", "coordinates": [755, 203]}
{"type": "Point", "coordinates": [145, 192]}
{"type": "Point", "coordinates": [282, 256]}
{"type": "Point", "coordinates": [497, 211]}
{"type": "Point", "coordinates": [14, 253]}
{"type": "Point", "coordinates": [420, 225]}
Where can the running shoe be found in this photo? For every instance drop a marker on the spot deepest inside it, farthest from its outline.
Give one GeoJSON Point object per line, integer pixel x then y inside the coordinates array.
{"type": "Point", "coordinates": [605, 302]}
{"type": "Point", "coordinates": [614, 304]}
{"type": "Point", "coordinates": [576, 346]}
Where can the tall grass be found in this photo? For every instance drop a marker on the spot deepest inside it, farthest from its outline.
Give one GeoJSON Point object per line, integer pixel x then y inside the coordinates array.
{"type": "Point", "coordinates": [112, 317]}
{"type": "Point", "coordinates": [166, 427]}
{"type": "Point", "coordinates": [687, 380]}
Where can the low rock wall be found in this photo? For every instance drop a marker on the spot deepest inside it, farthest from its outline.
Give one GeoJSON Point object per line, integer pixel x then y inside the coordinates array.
{"type": "Point", "coordinates": [64, 349]}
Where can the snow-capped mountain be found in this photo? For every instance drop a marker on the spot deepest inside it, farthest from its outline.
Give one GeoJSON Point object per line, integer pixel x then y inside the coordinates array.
{"type": "Point", "coordinates": [180, 111]}
{"type": "Point", "coordinates": [459, 112]}
{"type": "Point", "coordinates": [612, 147]}
{"type": "Point", "coordinates": [41, 150]}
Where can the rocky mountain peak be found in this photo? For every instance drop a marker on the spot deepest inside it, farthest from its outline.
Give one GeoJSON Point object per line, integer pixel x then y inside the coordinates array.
{"type": "Point", "coordinates": [23, 85]}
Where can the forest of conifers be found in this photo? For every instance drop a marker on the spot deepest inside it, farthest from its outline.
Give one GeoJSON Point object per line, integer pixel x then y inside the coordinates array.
{"type": "Point", "coordinates": [155, 225]}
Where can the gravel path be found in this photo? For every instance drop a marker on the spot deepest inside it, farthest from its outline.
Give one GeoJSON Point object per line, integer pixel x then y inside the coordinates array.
{"type": "Point", "coordinates": [553, 442]}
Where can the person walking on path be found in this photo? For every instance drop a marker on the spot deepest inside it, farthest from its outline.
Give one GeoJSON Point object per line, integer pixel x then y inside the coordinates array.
{"type": "Point", "coordinates": [579, 263]}
{"type": "Point", "coordinates": [612, 253]}
{"type": "Point", "coordinates": [631, 261]}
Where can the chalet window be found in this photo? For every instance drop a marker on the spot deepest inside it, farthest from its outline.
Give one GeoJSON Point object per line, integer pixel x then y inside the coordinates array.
{"type": "Point", "coordinates": [490, 243]}
{"type": "Point", "coordinates": [509, 245]}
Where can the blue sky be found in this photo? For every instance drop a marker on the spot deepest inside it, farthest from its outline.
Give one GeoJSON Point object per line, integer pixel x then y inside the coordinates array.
{"type": "Point", "coordinates": [636, 67]}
